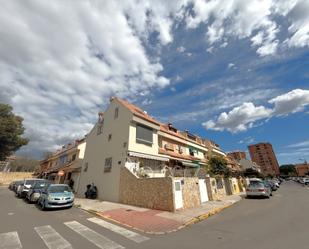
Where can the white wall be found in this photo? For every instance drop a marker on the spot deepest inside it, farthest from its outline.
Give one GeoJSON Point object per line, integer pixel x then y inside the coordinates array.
{"type": "Point", "coordinates": [99, 148]}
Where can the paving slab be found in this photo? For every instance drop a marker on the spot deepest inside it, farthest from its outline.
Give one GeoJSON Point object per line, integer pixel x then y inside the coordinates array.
{"type": "Point", "coordinates": [154, 221]}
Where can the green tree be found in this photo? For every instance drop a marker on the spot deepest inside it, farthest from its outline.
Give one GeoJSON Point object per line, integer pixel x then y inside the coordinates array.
{"type": "Point", "coordinates": [11, 131]}
{"type": "Point", "coordinates": [217, 166]}
{"type": "Point", "coordinates": [288, 170]}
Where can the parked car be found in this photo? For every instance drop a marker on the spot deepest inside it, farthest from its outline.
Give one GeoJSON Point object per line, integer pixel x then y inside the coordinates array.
{"type": "Point", "coordinates": [258, 189]}
{"type": "Point", "coordinates": [306, 181]}
{"type": "Point", "coordinates": [13, 185]}
{"type": "Point", "coordinates": [34, 192]}
{"type": "Point", "coordinates": [56, 196]}
{"type": "Point", "coordinates": [25, 186]}
{"type": "Point", "coordinates": [272, 185]}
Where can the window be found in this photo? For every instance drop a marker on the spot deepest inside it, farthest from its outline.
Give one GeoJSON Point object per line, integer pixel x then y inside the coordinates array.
{"type": "Point", "coordinates": [73, 157]}
{"type": "Point", "coordinates": [108, 164]}
{"type": "Point", "coordinates": [116, 112]}
{"type": "Point", "coordinates": [109, 137]}
{"type": "Point", "coordinates": [143, 134]}
{"type": "Point", "coordinates": [191, 151]}
{"type": "Point", "coordinates": [100, 127]}
{"type": "Point", "coordinates": [124, 144]}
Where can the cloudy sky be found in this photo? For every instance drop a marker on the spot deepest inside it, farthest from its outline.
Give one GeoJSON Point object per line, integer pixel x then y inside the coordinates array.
{"type": "Point", "coordinates": [232, 71]}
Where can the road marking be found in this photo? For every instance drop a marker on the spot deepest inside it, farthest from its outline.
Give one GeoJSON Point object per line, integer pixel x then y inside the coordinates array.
{"type": "Point", "coordinates": [51, 238]}
{"type": "Point", "coordinates": [94, 237]}
{"type": "Point", "coordinates": [10, 241]}
{"type": "Point", "coordinates": [120, 230]}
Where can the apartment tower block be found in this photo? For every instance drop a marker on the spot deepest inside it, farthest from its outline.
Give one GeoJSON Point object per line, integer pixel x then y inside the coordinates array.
{"type": "Point", "coordinates": [264, 155]}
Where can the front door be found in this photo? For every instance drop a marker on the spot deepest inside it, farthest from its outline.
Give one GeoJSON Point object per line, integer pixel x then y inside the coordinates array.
{"type": "Point", "coordinates": [228, 187]}
{"type": "Point", "coordinates": [178, 194]}
{"type": "Point", "coordinates": [203, 190]}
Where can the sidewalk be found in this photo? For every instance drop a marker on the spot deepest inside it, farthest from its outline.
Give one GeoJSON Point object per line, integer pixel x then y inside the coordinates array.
{"type": "Point", "coordinates": [154, 221]}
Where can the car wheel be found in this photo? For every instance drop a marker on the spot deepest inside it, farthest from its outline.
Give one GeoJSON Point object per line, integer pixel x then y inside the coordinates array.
{"type": "Point", "coordinates": [31, 199]}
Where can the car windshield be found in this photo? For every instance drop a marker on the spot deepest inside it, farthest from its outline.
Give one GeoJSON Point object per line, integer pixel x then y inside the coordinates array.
{"type": "Point", "coordinates": [29, 182]}
{"type": "Point", "coordinates": [59, 189]}
{"type": "Point", "coordinates": [256, 185]}
{"type": "Point", "coordinates": [40, 184]}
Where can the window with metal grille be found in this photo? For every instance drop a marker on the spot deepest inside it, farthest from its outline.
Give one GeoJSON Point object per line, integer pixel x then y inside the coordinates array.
{"type": "Point", "coordinates": [116, 112]}
{"type": "Point", "coordinates": [108, 164]}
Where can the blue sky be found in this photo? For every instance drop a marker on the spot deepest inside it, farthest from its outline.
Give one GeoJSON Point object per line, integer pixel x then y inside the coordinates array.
{"type": "Point", "coordinates": [232, 71]}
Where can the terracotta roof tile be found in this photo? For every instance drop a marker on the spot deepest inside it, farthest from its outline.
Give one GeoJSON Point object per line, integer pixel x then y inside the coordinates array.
{"type": "Point", "coordinates": [137, 111]}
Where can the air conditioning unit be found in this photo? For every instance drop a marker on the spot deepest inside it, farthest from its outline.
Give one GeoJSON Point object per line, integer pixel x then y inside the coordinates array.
{"type": "Point", "coordinates": [169, 147]}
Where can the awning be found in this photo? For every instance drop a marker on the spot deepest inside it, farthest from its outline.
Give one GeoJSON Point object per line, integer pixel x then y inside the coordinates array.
{"type": "Point", "coordinates": [192, 165]}
{"type": "Point", "coordinates": [147, 156]}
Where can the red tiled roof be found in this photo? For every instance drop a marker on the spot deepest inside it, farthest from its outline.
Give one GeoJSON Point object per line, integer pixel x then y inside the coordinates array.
{"type": "Point", "coordinates": [137, 111]}
{"type": "Point", "coordinates": [165, 129]}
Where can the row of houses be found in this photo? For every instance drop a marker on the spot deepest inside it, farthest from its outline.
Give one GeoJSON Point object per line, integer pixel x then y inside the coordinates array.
{"type": "Point", "coordinates": [134, 159]}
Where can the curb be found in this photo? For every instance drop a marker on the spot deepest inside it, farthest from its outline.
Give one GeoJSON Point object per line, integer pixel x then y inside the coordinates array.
{"type": "Point", "coordinates": [207, 215]}
{"type": "Point", "coordinates": [194, 220]}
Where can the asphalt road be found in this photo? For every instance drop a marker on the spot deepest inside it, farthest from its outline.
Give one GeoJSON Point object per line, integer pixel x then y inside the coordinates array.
{"type": "Point", "coordinates": [277, 223]}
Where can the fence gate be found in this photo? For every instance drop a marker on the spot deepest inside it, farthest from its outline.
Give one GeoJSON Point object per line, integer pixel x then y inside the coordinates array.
{"type": "Point", "coordinates": [203, 190]}
{"type": "Point", "coordinates": [178, 194]}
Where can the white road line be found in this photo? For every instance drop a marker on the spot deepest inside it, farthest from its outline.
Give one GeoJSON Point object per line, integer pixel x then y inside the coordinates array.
{"type": "Point", "coordinates": [10, 241]}
{"type": "Point", "coordinates": [51, 238]}
{"type": "Point", "coordinates": [120, 230]}
{"type": "Point", "coordinates": [94, 237]}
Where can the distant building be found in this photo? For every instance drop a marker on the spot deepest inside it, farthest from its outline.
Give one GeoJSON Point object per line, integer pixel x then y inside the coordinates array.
{"type": "Point", "coordinates": [237, 155]}
{"type": "Point", "coordinates": [247, 164]}
{"type": "Point", "coordinates": [302, 169]}
{"type": "Point", "coordinates": [67, 160]}
{"type": "Point", "coordinates": [264, 155]}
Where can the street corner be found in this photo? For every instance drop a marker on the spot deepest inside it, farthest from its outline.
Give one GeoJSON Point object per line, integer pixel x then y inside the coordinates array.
{"type": "Point", "coordinates": [143, 221]}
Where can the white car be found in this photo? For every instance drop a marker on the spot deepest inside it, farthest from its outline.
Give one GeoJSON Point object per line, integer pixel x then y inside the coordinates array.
{"type": "Point", "coordinates": [306, 181]}
{"type": "Point", "coordinates": [24, 188]}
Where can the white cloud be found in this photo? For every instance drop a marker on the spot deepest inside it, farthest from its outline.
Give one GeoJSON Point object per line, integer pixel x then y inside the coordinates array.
{"type": "Point", "coordinates": [253, 19]}
{"type": "Point", "coordinates": [239, 118]}
{"type": "Point", "coordinates": [61, 60]}
{"type": "Point", "coordinates": [291, 102]}
{"type": "Point", "coordinates": [246, 115]}
{"type": "Point", "coordinates": [231, 65]}
{"type": "Point", "coordinates": [300, 144]}
{"type": "Point", "coordinates": [181, 49]}
{"type": "Point", "coordinates": [247, 140]}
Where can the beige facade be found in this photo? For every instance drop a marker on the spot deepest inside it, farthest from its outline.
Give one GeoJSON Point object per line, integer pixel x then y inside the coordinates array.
{"type": "Point", "coordinates": [134, 159]}
{"type": "Point", "coordinates": [67, 159]}
{"type": "Point", "coordinates": [247, 164]}
{"type": "Point", "coordinates": [107, 140]}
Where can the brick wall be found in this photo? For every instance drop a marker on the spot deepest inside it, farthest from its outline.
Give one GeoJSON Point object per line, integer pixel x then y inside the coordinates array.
{"type": "Point", "coordinates": [154, 193]}
{"type": "Point", "coordinates": [7, 177]}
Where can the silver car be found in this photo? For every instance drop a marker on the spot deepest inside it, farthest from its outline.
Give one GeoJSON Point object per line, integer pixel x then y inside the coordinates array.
{"type": "Point", "coordinates": [56, 196]}
{"type": "Point", "coordinates": [25, 186]}
{"type": "Point", "coordinates": [258, 188]}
